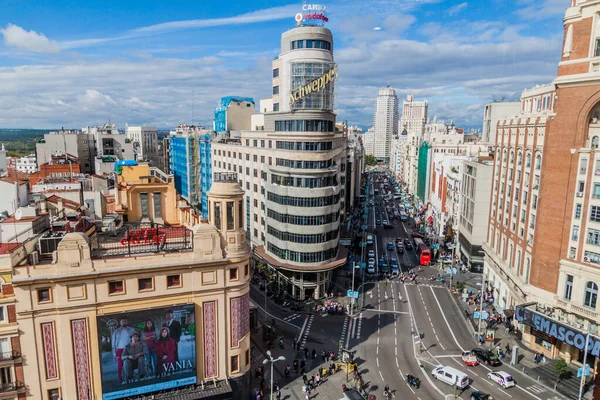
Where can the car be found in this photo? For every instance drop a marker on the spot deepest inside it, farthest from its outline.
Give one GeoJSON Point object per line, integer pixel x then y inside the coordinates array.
{"type": "Point", "coordinates": [371, 253]}
{"type": "Point", "coordinates": [386, 222]}
{"type": "Point", "coordinates": [371, 261]}
{"type": "Point", "coordinates": [400, 248]}
{"type": "Point", "coordinates": [395, 270]}
{"type": "Point", "coordinates": [371, 269]}
{"type": "Point", "coordinates": [407, 244]}
{"type": "Point", "coordinates": [486, 357]}
{"type": "Point", "coordinates": [417, 235]}
{"type": "Point", "coordinates": [390, 246]}
{"type": "Point", "coordinates": [502, 378]}
{"type": "Point", "coordinates": [394, 263]}
{"type": "Point", "coordinates": [469, 359]}
{"type": "Point", "coordinates": [378, 222]}
{"type": "Point", "coordinates": [477, 395]}
{"type": "Point", "coordinates": [384, 268]}
{"type": "Point", "coordinates": [387, 225]}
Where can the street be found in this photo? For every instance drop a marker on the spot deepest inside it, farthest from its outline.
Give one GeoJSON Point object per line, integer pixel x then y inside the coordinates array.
{"type": "Point", "coordinates": [397, 330]}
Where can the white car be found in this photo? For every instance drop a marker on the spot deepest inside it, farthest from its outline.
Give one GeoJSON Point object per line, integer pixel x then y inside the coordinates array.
{"type": "Point", "coordinates": [502, 378]}
{"type": "Point", "coordinates": [371, 261]}
{"type": "Point", "coordinates": [371, 269]}
{"type": "Point", "coordinates": [371, 253]}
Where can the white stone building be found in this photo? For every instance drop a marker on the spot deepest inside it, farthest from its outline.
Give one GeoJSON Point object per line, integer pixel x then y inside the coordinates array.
{"type": "Point", "coordinates": [147, 137]}
{"type": "Point", "coordinates": [385, 123]}
{"type": "Point", "coordinates": [413, 120]}
{"type": "Point", "coordinates": [27, 164]}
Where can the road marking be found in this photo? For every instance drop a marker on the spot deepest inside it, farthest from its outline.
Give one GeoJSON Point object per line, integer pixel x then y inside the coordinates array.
{"type": "Point", "coordinates": [345, 332]}
{"type": "Point", "coordinates": [377, 359]}
{"type": "Point", "coordinates": [291, 317]}
{"type": "Point", "coordinates": [359, 326]}
{"type": "Point", "coordinates": [377, 340]}
{"type": "Point", "coordinates": [307, 331]}
{"type": "Point", "coordinates": [446, 320]}
{"type": "Point", "coordinates": [303, 328]}
{"type": "Point", "coordinates": [383, 380]}
{"type": "Point", "coordinates": [536, 389]}
{"type": "Point", "coordinates": [505, 393]}
{"type": "Point", "coordinates": [388, 311]}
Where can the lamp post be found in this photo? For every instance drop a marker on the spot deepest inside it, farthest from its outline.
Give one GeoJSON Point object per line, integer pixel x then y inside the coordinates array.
{"type": "Point", "coordinates": [481, 303]}
{"type": "Point", "coordinates": [583, 375]}
{"type": "Point", "coordinates": [272, 361]}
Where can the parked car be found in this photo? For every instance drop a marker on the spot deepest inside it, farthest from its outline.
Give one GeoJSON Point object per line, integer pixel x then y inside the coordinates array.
{"type": "Point", "coordinates": [371, 269]}
{"type": "Point", "coordinates": [486, 357]}
{"type": "Point", "coordinates": [502, 378]}
{"type": "Point", "coordinates": [417, 234]}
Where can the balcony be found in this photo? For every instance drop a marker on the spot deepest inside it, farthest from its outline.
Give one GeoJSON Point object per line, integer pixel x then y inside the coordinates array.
{"type": "Point", "coordinates": [579, 194]}
{"type": "Point", "coordinates": [11, 387]}
{"type": "Point", "coordinates": [9, 355]}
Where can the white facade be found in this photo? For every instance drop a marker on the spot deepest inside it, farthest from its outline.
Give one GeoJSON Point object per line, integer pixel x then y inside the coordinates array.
{"type": "Point", "coordinates": [413, 120]}
{"type": "Point", "coordinates": [444, 196]}
{"type": "Point", "coordinates": [147, 137]}
{"type": "Point", "coordinates": [27, 164]}
{"type": "Point", "coordinates": [13, 194]}
{"type": "Point", "coordinates": [398, 154]}
{"type": "Point", "coordinates": [385, 122]}
{"type": "Point", "coordinates": [369, 141]}
{"type": "Point", "coordinates": [474, 210]}
{"type": "Point", "coordinates": [492, 114]}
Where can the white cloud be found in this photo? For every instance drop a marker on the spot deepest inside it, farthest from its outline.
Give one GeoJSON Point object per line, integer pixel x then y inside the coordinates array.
{"type": "Point", "coordinates": [542, 9]}
{"type": "Point", "coordinates": [457, 8]}
{"type": "Point", "coordinates": [15, 36]}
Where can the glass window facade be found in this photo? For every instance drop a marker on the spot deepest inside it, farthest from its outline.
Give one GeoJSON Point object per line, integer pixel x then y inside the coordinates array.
{"type": "Point", "coordinates": [282, 162]}
{"type": "Point", "coordinates": [297, 256]}
{"type": "Point", "coordinates": [310, 44]}
{"type": "Point", "coordinates": [304, 146]}
{"type": "Point", "coordinates": [304, 125]}
{"type": "Point", "coordinates": [303, 219]}
{"type": "Point", "coordinates": [303, 201]}
{"type": "Point", "coordinates": [303, 238]}
{"type": "Point", "coordinates": [302, 74]}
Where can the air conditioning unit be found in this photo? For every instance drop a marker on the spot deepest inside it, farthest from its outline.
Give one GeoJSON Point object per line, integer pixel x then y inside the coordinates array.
{"type": "Point", "coordinates": [34, 258]}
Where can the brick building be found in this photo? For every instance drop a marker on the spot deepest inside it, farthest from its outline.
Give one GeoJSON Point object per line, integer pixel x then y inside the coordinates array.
{"type": "Point", "coordinates": [543, 244]}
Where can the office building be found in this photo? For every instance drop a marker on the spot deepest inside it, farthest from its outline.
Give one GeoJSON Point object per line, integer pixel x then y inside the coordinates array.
{"type": "Point", "coordinates": [444, 196]}
{"type": "Point", "coordinates": [188, 291]}
{"type": "Point", "coordinates": [399, 156]}
{"type": "Point", "coordinates": [110, 146]}
{"type": "Point", "coordinates": [234, 114]}
{"type": "Point", "coordinates": [293, 167]}
{"type": "Point", "coordinates": [369, 141]}
{"type": "Point", "coordinates": [494, 112]}
{"type": "Point", "coordinates": [474, 211]}
{"type": "Point", "coordinates": [75, 143]}
{"type": "Point", "coordinates": [146, 138]}
{"type": "Point", "coordinates": [206, 172]}
{"type": "Point", "coordinates": [412, 121]}
{"type": "Point", "coordinates": [385, 123]}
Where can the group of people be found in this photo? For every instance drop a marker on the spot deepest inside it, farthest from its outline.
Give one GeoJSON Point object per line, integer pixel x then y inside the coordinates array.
{"type": "Point", "coordinates": [258, 393]}
{"type": "Point", "coordinates": [147, 350]}
{"type": "Point", "coordinates": [329, 307]}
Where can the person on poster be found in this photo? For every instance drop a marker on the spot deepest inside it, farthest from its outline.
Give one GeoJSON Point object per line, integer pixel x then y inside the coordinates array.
{"type": "Point", "coordinates": [165, 349]}
{"type": "Point", "coordinates": [120, 338]}
{"type": "Point", "coordinates": [174, 330]}
{"type": "Point", "coordinates": [149, 336]}
{"type": "Point", "coordinates": [134, 357]}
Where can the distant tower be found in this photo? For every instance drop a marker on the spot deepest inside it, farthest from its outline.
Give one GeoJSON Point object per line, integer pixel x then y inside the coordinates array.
{"type": "Point", "coordinates": [385, 122]}
{"type": "Point", "coordinates": [226, 213]}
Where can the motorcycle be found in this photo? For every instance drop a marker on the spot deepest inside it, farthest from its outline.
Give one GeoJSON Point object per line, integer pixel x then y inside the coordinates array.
{"type": "Point", "coordinates": [413, 381]}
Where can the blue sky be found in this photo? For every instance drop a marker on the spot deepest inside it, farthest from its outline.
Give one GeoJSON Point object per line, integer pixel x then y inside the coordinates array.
{"type": "Point", "coordinates": [74, 63]}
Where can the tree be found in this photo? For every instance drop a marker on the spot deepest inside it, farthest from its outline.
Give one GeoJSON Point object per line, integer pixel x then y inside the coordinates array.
{"type": "Point", "coordinates": [370, 160]}
{"type": "Point", "coordinates": [561, 368]}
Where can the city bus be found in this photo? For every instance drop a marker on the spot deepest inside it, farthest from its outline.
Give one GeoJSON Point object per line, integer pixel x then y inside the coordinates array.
{"type": "Point", "coordinates": [423, 252]}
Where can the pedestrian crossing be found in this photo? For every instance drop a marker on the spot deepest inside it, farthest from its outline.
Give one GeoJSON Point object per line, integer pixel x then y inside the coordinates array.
{"type": "Point", "coordinates": [291, 317]}
{"type": "Point", "coordinates": [359, 326]}
{"type": "Point", "coordinates": [537, 389]}
{"type": "Point", "coordinates": [307, 331]}
{"type": "Point", "coordinates": [344, 329]}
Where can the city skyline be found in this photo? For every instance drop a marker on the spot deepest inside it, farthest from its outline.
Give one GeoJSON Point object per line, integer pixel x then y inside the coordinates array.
{"type": "Point", "coordinates": [163, 67]}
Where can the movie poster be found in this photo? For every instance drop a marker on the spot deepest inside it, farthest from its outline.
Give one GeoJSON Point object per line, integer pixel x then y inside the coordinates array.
{"type": "Point", "coordinates": [146, 351]}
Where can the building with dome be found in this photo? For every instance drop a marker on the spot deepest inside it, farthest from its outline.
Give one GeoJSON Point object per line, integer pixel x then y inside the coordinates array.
{"type": "Point", "coordinates": [179, 296]}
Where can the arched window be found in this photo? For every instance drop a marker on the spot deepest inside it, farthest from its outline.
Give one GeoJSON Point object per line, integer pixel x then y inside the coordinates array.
{"type": "Point", "coordinates": [504, 249]}
{"type": "Point", "coordinates": [538, 161]}
{"type": "Point", "coordinates": [510, 254]}
{"type": "Point", "coordinates": [528, 160]}
{"type": "Point", "coordinates": [518, 265]}
{"type": "Point", "coordinates": [520, 159]}
{"type": "Point", "coordinates": [591, 295]}
{"type": "Point", "coordinates": [497, 243]}
{"type": "Point", "coordinates": [512, 157]}
{"type": "Point", "coordinates": [595, 141]}
{"type": "Point", "coordinates": [527, 266]}
{"type": "Point", "coordinates": [504, 155]}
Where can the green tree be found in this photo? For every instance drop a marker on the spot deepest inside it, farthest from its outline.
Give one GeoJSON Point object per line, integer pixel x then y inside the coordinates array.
{"type": "Point", "coordinates": [561, 368]}
{"type": "Point", "coordinates": [370, 160]}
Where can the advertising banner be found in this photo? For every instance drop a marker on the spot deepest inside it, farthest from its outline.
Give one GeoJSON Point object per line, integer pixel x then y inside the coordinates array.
{"type": "Point", "coordinates": [146, 351]}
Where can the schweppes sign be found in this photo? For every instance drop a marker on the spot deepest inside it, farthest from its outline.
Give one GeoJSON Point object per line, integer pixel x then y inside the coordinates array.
{"type": "Point", "coordinates": [314, 86]}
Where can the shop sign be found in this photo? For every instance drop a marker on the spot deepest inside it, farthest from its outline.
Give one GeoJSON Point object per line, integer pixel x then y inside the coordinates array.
{"type": "Point", "coordinates": [312, 14]}
{"type": "Point", "coordinates": [315, 86]}
{"type": "Point", "coordinates": [554, 329]}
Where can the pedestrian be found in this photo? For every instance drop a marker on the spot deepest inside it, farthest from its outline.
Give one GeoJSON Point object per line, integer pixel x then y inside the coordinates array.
{"type": "Point", "coordinates": [507, 349]}
{"type": "Point", "coordinates": [294, 343]}
{"type": "Point", "coordinates": [314, 354]}
{"type": "Point", "coordinates": [306, 352]}
{"type": "Point", "coordinates": [287, 371]}
{"type": "Point", "coordinates": [317, 379]}
{"type": "Point", "coordinates": [323, 355]}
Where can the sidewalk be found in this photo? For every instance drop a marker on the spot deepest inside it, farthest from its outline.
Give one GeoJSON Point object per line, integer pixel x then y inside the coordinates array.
{"type": "Point", "coordinates": [544, 372]}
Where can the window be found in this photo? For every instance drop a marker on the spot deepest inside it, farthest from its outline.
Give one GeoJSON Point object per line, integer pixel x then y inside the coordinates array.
{"type": "Point", "coordinates": [173, 281]}
{"type": "Point", "coordinates": [597, 48]}
{"type": "Point", "coordinates": [575, 234]}
{"type": "Point", "coordinates": [275, 106]}
{"type": "Point", "coordinates": [255, 143]}
{"type": "Point", "coordinates": [145, 284]}
{"type": "Point", "coordinates": [53, 394]}
{"type": "Point", "coordinates": [275, 89]}
{"type": "Point", "coordinates": [581, 186]}
{"type": "Point", "coordinates": [595, 214]}
{"type": "Point", "coordinates": [247, 157]}
{"type": "Point", "coordinates": [230, 216]}
{"type": "Point", "coordinates": [116, 287]}
{"type": "Point", "coordinates": [241, 214]}
{"type": "Point", "coordinates": [577, 211]}
{"type": "Point", "coordinates": [583, 166]}
{"type": "Point", "coordinates": [572, 252]}
{"type": "Point", "coordinates": [217, 215]}
{"type": "Point", "coordinates": [144, 204]}
{"type": "Point", "coordinates": [157, 204]}
{"type": "Point", "coordinates": [538, 162]}
{"type": "Point", "coordinates": [593, 237]}
{"type": "Point", "coordinates": [6, 377]}
{"type": "Point", "coordinates": [569, 287]}
{"type": "Point", "coordinates": [591, 295]}
{"type": "Point", "coordinates": [233, 274]}
{"type": "Point", "coordinates": [235, 367]}
{"type": "Point", "coordinates": [595, 141]}
{"type": "Point", "coordinates": [596, 193]}
{"type": "Point", "coordinates": [255, 157]}
{"type": "Point", "coordinates": [255, 188]}
{"type": "Point", "coordinates": [247, 359]}
{"type": "Point", "coordinates": [275, 72]}
{"type": "Point", "coordinates": [43, 295]}
{"type": "Point", "coordinates": [246, 269]}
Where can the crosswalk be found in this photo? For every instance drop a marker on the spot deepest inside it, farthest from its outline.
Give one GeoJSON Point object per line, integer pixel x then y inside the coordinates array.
{"type": "Point", "coordinates": [344, 329]}
{"type": "Point", "coordinates": [291, 317]}
{"type": "Point", "coordinates": [537, 389]}
{"type": "Point", "coordinates": [359, 322]}
{"type": "Point", "coordinates": [307, 331]}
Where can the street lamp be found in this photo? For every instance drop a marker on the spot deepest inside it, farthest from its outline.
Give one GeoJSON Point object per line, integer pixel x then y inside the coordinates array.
{"type": "Point", "coordinates": [272, 361]}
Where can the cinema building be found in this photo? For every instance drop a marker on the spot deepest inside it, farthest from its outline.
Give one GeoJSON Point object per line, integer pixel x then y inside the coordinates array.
{"type": "Point", "coordinates": [293, 166]}
{"type": "Point", "coordinates": [146, 311]}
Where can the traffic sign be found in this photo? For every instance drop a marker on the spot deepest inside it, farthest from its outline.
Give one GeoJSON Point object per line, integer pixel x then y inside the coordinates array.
{"type": "Point", "coordinates": [583, 371]}
{"type": "Point", "coordinates": [350, 293]}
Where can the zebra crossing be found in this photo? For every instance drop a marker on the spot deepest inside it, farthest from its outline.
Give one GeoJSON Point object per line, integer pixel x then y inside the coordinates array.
{"type": "Point", "coordinates": [307, 331]}
{"type": "Point", "coordinates": [537, 389]}
{"type": "Point", "coordinates": [344, 329]}
{"type": "Point", "coordinates": [291, 317]}
{"type": "Point", "coordinates": [359, 326]}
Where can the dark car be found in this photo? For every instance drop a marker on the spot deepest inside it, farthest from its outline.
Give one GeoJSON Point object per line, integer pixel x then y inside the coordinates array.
{"type": "Point", "coordinates": [378, 222]}
{"type": "Point", "coordinates": [480, 396]}
{"type": "Point", "coordinates": [407, 244]}
{"type": "Point", "coordinates": [487, 357]}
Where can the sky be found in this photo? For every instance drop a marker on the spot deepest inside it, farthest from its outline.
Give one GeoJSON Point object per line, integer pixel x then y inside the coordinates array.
{"type": "Point", "coordinates": [73, 63]}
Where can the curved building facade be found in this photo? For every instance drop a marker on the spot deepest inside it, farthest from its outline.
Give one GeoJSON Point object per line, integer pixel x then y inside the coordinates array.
{"type": "Point", "coordinates": [297, 159]}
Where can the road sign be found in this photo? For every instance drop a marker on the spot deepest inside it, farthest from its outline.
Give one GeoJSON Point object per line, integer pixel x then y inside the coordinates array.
{"type": "Point", "coordinates": [451, 271]}
{"type": "Point", "coordinates": [583, 371]}
{"type": "Point", "coordinates": [350, 294]}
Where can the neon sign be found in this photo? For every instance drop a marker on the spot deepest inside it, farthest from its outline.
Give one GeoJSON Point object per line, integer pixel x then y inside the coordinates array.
{"type": "Point", "coordinates": [143, 236]}
{"type": "Point", "coordinates": [315, 86]}
{"type": "Point", "coordinates": [312, 14]}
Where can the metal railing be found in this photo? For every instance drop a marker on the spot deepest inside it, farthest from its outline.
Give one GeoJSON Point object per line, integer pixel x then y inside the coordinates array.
{"type": "Point", "coordinates": [11, 386]}
{"type": "Point", "coordinates": [9, 355]}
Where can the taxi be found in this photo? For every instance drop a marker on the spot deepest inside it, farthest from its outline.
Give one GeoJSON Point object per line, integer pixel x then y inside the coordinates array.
{"type": "Point", "coordinates": [502, 378]}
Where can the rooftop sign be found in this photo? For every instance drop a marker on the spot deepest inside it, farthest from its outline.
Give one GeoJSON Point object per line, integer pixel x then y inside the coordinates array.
{"type": "Point", "coordinates": [312, 15]}
{"type": "Point", "coordinates": [314, 86]}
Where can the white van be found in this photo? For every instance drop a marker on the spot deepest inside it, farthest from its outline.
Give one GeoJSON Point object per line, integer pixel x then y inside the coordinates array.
{"type": "Point", "coordinates": [370, 240]}
{"type": "Point", "coordinates": [451, 376]}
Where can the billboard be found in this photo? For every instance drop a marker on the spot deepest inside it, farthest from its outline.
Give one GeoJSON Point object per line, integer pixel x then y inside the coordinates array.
{"type": "Point", "coordinates": [312, 85]}
{"type": "Point", "coordinates": [146, 351]}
